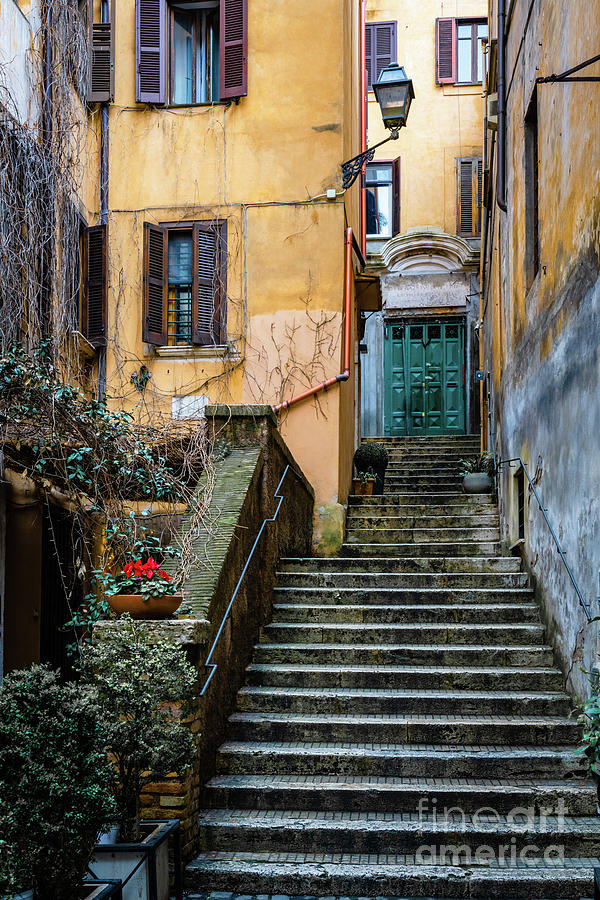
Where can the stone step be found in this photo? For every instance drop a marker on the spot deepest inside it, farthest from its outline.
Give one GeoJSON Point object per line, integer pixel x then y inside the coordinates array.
{"type": "Point", "coordinates": [357, 519]}
{"type": "Point", "coordinates": [500, 613]}
{"type": "Point", "coordinates": [414, 579]}
{"type": "Point", "coordinates": [323, 701]}
{"type": "Point", "coordinates": [418, 729]}
{"type": "Point", "coordinates": [421, 535]}
{"type": "Point", "coordinates": [360, 793]}
{"type": "Point", "coordinates": [424, 500]}
{"type": "Point", "coordinates": [382, 635]}
{"type": "Point", "coordinates": [401, 654]}
{"type": "Point", "coordinates": [437, 761]}
{"type": "Point", "coordinates": [482, 549]}
{"type": "Point", "coordinates": [228, 895]}
{"type": "Point", "coordinates": [484, 678]}
{"type": "Point", "coordinates": [396, 832]}
{"type": "Point", "coordinates": [434, 485]}
{"type": "Point", "coordinates": [281, 875]}
{"type": "Point", "coordinates": [402, 596]}
{"type": "Point", "coordinates": [408, 564]}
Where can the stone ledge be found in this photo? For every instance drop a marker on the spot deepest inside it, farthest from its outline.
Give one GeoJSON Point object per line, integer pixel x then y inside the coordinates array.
{"type": "Point", "coordinates": [176, 631]}
{"type": "Point", "coordinates": [241, 410]}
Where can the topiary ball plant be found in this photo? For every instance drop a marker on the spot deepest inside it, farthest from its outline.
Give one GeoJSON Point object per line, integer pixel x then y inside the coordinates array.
{"type": "Point", "coordinates": [56, 785]}
{"type": "Point", "coordinates": [370, 455]}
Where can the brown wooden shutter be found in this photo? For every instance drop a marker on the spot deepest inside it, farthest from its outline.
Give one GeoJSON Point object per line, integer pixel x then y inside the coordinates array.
{"type": "Point", "coordinates": [479, 196]}
{"type": "Point", "coordinates": [445, 50]}
{"type": "Point", "coordinates": [233, 49]}
{"type": "Point", "coordinates": [396, 197]}
{"type": "Point", "coordinates": [94, 286]}
{"type": "Point", "coordinates": [101, 57]}
{"type": "Point", "coordinates": [369, 54]}
{"type": "Point", "coordinates": [469, 196]}
{"type": "Point", "coordinates": [154, 328]}
{"type": "Point", "coordinates": [209, 288]}
{"type": "Point", "coordinates": [150, 51]}
{"type": "Point", "coordinates": [381, 48]}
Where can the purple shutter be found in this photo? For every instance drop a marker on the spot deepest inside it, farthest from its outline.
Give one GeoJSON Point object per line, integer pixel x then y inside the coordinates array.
{"type": "Point", "coordinates": [154, 326]}
{"type": "Point", "coordinates": [150, 51]}
{"type": "Point", "coordinates": [369, 54]}
{"type": "Point", "coordinates": [101, 57]}
{"type": "Point", "coordinates": [396, 197]}
{"type": "Point", "coordinates": [205, 282]}
{"type": "Point", "coordinates": [445, 50]}
{"type": "Point", "coordinates": [385, 46]}
{"type": "Point", "coordinates": [465, 196]}
{"type": "Point", "coordinates": [233, 65]}
{"type": "Point", "coordinates": [94, 313]}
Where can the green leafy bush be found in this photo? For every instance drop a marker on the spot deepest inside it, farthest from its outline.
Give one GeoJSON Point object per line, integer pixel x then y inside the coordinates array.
{"type": "Point", "coordinates": [144, 687]}
{"type": "Point", "coordinates": [589, 718]}
{"type": "Point", "coordinates": [370, 455]}
{"type": "Point", "coordinates": [483, 463]}
{"type": "Point", "coordinates": [56, 785]}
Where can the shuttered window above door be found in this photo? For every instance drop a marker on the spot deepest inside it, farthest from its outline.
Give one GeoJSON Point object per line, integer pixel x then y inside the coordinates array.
{"type": "Point", "coordinates": [381, 48]}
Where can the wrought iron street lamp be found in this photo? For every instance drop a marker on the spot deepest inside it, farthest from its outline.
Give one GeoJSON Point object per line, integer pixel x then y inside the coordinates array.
{"type": "Point", "coordinates": [394, 93]}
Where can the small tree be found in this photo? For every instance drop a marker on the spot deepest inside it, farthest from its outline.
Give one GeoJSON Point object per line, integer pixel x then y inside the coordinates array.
{"type": "Point", "coordinates": [144, 687]}
{"type": "Point", "coordinates": [56, 786]}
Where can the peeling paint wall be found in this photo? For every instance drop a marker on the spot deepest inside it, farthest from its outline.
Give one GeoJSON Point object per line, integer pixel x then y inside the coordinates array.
{"type": "Point", "coordinates": [542, 341]}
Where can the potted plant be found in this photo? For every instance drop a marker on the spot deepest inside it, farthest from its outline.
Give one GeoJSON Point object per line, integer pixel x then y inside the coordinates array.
{"type": "Point", "coordinates": [478, 474]}
{"type": "Point", "coordinates": [56, 784]}
{"type": "Point", "coordinates": [373, 457]}
{"type": "Point", "coordinates": [364, 483]}
{"type": "Point", "coordinates": [144, 687]}
{"type": "Point", "coordinates": [142, 589]}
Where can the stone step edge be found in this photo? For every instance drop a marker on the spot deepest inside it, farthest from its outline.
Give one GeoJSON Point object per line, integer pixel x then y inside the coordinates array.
{"type": "Point", "coordinates": [402, 719]}
{"type": "Point", "coordinates": [399, 784]}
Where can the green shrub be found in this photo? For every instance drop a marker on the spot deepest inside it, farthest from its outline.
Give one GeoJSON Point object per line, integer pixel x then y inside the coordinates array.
{"type": "Point", "coordinates": [56, 786]}
{"type": "Point", "coordinates": [370, 455]}
{"type": "Point", "coordinates": [589, 719]}
{"type": "Point", "coordinates": [143, 686]}
{"type": "Point", "coordinates": [483, 463]}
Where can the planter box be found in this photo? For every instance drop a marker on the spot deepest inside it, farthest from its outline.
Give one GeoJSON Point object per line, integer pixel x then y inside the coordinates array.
{"type": "Point", "coordinates": [102, 890]}
{"type": "Point", "coordinates": [143, 868]}
{"type": "Point", "coordinates": [363, 488]}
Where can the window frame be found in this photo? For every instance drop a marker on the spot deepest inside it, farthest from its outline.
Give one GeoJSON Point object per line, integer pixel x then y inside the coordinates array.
{"type": "Point", "coordinates": [474, 40]}
{"type": "Point", "coordinates": [394, 183]}
{"type": "Point", "coordinates": [532, 190]}
{"type": "Point", "coordinates": [171, 10]}
{"type": "Point", "coordinates": [476, 208]}
{"type": "Point", "coordinates": [219, 300]}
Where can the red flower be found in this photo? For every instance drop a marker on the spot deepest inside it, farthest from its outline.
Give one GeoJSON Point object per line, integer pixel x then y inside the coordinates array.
{"type": "Point", "coordinates": [147, 570]}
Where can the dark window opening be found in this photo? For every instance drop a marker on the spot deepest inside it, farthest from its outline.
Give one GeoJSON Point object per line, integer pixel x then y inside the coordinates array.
{"type": "Point", "coordinates": [520, 476]}
{"type": "Point", "coordinates": [383, 198]}
{"type": "Point", "coordinates": [434, 332]}
{"type": "Point", "coordinates": [532, 223]}
{"type": "Point", "coordinates": [194, 53]}
{"type": "Point", "coordinates": [180, 279]}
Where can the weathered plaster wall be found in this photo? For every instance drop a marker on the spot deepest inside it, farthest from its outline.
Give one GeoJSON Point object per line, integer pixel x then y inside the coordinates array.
{"type": "Point", "coordinates": [542, 344]}
{"type": "Point", "coordinates": [258, 165]}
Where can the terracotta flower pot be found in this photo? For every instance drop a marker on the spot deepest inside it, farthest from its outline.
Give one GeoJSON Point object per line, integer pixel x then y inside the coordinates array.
{"type": "Point", "coordinates": [363, 488]}
{"type": "Point", "coordinates": [161, 607]}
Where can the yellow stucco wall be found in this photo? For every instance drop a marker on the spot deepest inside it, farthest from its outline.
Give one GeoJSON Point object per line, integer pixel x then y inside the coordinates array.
{"type": "Point", "coordinates": [258, 165]}
{"type": "Point", "coordinates": [444, 122]}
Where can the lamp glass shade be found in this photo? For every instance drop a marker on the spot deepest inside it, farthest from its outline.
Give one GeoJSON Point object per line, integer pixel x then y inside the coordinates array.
{"type": "Point", "coordinates": [394, 92]}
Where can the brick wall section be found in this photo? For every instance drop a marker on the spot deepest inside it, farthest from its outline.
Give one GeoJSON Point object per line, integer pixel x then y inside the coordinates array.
{"type": "Point", "coordinates": [241, 499]}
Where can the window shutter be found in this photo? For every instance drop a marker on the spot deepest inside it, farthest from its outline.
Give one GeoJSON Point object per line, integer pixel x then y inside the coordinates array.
{"type": "Point", "coordinates": [470, 173]}
{"type": "Point", "coordinates": [385, 47]}
{"type": "Point", "coordinates": [233, 64]}
{"type": "Point", "coordinates": [154, 329]}
{"type": "Point", "coordinates": [445, 50]}
{"type": "Point", "coordinates": [209, 294]}
{"type": "Point", "coordinates": [94, 296]}
{"type": "Point", "coordinates": [479, 195]}
{"type": "Point", "coordinates": [369, 54]}
{"type": "Point", "coordinates": [150, 51]}
{"type": "Point", "coordinates": [396, 197]}
{"type": "Point", "coordinates": [101, 58]}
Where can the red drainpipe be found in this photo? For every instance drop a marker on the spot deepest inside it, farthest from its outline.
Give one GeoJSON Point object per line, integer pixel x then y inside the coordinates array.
{"type": "Point", "coordinates": [345, 375]}
{"type": "Point", "coordinates": [363, 126]}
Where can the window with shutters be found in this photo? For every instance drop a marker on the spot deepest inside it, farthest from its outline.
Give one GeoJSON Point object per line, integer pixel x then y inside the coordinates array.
{"type": "Point", "coordinates": [101, 56]}
{"type": "Point", "coordinates": [469, 187]}
{"type": "Point", "coordinates": [459, 50]}
{"type": "Point", "coordinates": [532, 221]}
{"type": "Point", "coordinates": [381, 48]}
{"type": "Point", "coordinates": [93, 285]}
{"type": "Point", "coordinates": [191, 51]}
{"type": "Point", "coordinates": [383, 198]}
{"type": "Point", "coordinates": [185, 283]}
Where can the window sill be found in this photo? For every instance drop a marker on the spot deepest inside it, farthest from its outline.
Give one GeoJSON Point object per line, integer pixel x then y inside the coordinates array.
{"type": "Point", "coordinates": [191, 351]}
{"type": "Point", "coordinates": [453, 90]}
{"type": "Point", "coordinates": [194, 105]}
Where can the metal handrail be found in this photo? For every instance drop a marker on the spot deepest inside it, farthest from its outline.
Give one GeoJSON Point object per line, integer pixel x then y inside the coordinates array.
{"type": "Point", "coordinates": [544, 511]}
{"type": "Point", "coordinates": [276, 496]}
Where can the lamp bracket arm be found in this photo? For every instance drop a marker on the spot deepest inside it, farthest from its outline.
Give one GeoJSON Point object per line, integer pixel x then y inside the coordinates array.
{"type": "Point", "coordinates": [353, 167]}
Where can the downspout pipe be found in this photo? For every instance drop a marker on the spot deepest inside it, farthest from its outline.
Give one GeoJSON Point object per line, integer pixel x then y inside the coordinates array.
{"type": "Point", "coordinates": [363, 126]}
{"type": "Point", "coordinates": [501, 176]}
{"type": "Point", "coordinates": [345, 375]}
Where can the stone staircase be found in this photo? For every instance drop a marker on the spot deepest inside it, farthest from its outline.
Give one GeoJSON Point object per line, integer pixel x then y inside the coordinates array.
{"type": "Point", "coordinates": [403, 731]}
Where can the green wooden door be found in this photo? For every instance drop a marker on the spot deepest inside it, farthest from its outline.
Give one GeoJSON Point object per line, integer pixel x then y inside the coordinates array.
{"type": "Point", "coordinates": [424, 378]}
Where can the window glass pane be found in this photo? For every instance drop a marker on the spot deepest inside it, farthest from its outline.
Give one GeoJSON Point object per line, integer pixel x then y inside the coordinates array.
{"type": "Point", "coordinates": [379, 210]}
{"type": "Point", "coordinates": [202, 86]}
{"type": "Point", "coordinates": [183, 50]}
{"type": "Point", "coordinates": [377, 173]}
{"type": "Point", "coordinates": [464, 31]}
{"type": "Point", "coordinates": [464, 58]}
{"type": "Point", "coordinates": [180, 257]}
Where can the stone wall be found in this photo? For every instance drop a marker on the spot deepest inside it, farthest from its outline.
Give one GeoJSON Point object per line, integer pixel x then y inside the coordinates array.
{"type": "Point", "coordinates": [242, 498]}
